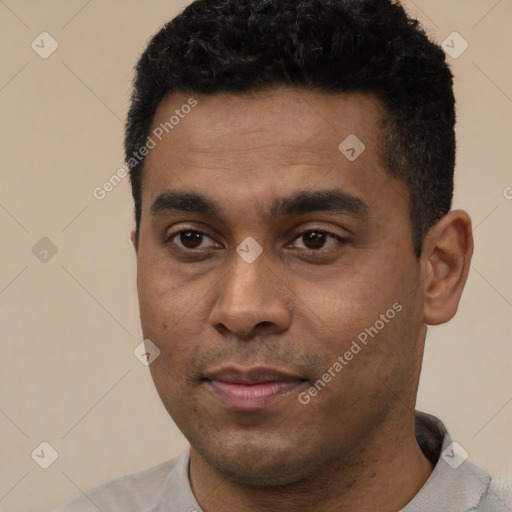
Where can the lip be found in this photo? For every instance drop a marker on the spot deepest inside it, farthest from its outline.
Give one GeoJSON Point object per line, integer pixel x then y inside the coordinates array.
{"type": "Point", "coordinates": [252, 389]}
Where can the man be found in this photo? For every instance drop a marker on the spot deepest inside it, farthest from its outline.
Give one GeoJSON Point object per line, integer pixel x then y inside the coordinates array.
{"type": "Point", "coordinates": [292, 167]}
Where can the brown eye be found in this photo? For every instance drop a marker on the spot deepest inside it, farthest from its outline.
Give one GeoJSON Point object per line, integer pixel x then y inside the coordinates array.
{"type": "Point", "coordinates": [316, 240]}
{"type": "Point", "coordinates": [190, 240]}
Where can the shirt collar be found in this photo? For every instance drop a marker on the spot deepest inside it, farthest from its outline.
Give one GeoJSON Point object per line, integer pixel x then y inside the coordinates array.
{"type": "Point", "coordinates": [455, 484]}
{"type": "Point", "coordinates": [176, 493]}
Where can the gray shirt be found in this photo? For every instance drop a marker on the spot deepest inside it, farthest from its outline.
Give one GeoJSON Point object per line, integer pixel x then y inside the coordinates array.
{"type": "Point", "coordinates": [455, 485]}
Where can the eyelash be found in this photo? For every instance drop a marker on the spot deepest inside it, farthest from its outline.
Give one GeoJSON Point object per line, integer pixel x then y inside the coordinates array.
{"type": "Point", "coordinates": [339, 238]}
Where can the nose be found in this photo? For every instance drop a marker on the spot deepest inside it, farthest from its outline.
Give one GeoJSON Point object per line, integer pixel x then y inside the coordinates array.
{"type": "Point", "coordinates": [251, 301]}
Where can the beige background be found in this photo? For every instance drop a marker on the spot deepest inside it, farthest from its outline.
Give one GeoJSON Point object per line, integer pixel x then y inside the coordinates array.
{"type": "Point", "coordinates": [69, 326]}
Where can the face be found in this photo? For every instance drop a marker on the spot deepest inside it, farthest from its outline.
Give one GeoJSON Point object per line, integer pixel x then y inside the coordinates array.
{"type": "Point", "coordinates": [276, 276]}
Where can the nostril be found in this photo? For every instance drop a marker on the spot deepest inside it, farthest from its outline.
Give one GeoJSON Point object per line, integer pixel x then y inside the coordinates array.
{"type": "Point", "coordinates": [264, 324]}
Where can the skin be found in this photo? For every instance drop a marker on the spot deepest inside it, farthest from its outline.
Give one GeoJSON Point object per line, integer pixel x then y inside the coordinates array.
{"type": "Point", "coordinates": [352, 447]}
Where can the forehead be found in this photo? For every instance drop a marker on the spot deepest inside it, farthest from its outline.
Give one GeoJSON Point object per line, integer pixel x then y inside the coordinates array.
{"type": "Point", "coordinates": [283, 124]}
{"type": "Point", "coordinates": [255, 146]}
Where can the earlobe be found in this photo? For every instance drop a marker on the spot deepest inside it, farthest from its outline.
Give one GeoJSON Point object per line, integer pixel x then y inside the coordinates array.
{"type": "Point", "coordinates": [448, 248]}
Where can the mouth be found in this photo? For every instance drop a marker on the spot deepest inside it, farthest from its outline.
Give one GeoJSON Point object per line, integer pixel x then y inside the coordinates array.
{"type": "Point", "coordinates": [252, 389]}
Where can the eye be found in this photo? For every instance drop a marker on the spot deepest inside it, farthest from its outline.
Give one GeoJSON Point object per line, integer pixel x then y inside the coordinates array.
{"type": "Point", "coordinates": [189, 239]}
{"type": "Point", "coordinates": [316, 239]}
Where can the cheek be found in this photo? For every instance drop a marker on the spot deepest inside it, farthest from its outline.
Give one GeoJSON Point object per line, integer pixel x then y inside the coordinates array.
{"type": "Point", "coordinates": [162, 300]}
{"type": "Point", "coordinates": [173, 314]}
{"type": "Point", "coordinates": [155, 303]}
{"type": "Point", "coordinates": [375, 303]}
{"type": "Point", "coordinates": [349, 299]}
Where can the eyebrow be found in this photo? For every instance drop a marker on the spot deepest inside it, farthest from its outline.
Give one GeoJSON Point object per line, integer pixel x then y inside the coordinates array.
{"type": "Point", "coordinates": [334, 201]}
{"type": "Point", "coordinates": [301, 202]}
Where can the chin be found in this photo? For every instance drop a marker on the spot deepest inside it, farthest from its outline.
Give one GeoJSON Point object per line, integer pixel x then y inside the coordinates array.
{"type": "Point", "coordinates": [257, 462]}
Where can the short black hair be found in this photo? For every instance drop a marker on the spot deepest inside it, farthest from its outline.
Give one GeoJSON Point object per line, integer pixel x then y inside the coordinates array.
{"type": "Point", "coordinates": [330, 46]}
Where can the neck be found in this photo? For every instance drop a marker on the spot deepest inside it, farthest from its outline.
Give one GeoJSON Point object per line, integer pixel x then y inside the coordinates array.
{"type": "Point", "coordinates": [384, 473]}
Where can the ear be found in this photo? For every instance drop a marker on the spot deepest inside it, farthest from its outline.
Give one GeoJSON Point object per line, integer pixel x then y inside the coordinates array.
{"type": "Point", "coordinates": [135, 240]}
{"type": "Point", "coordinates": [446, 259]}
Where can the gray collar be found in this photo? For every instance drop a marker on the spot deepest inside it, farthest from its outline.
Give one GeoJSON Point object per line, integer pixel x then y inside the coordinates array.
{"type": "Point", "coordinates": [455, 484]}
